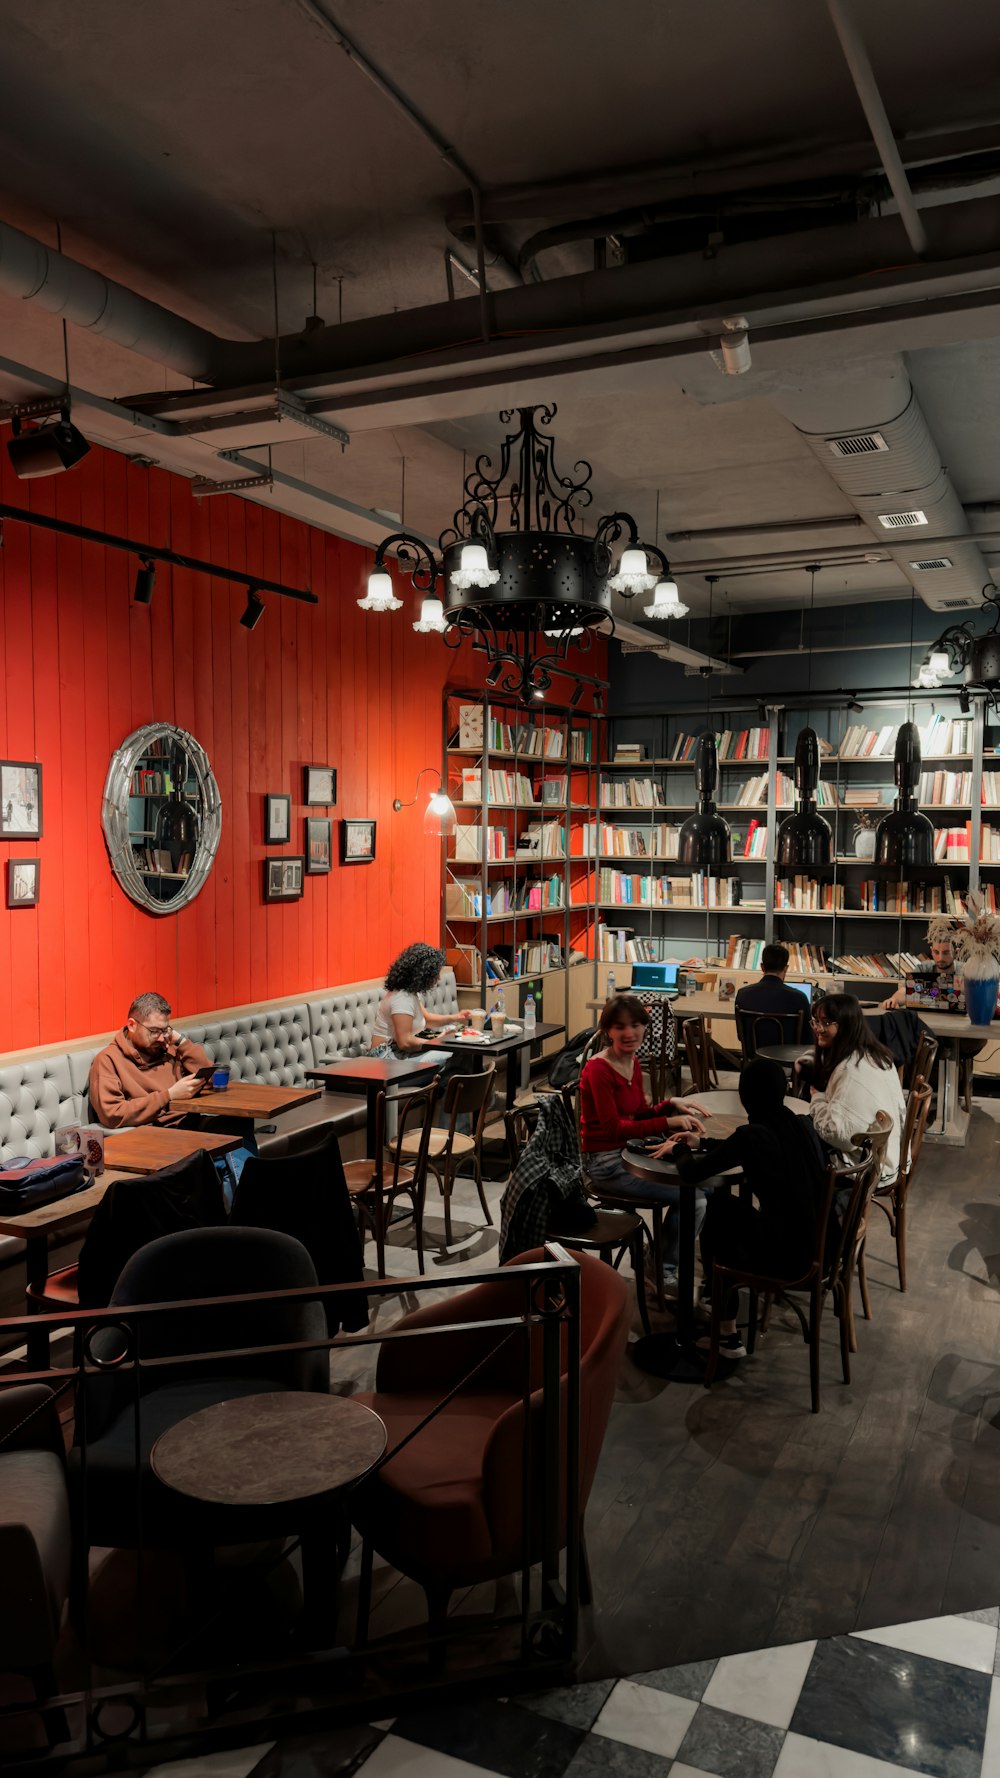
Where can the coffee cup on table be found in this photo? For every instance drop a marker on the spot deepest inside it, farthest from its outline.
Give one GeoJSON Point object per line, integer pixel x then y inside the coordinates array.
{"type": "Point", "coordinates": [220, 1079]}
{"type": "Point", "coordinates": [497, 1023]}
{"type": "Point", "coordinates": [477, 1018]}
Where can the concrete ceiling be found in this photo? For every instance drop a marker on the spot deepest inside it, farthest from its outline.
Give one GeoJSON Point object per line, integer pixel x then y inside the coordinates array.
{"type": "Point", "coordinates": [180, 147]}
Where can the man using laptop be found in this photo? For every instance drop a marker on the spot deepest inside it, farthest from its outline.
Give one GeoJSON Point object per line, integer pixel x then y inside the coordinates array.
{"type": "Point", "coordinates": [772, 995]}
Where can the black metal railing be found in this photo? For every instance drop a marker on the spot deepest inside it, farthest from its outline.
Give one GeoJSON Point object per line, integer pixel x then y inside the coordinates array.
{"type": "Point", "coordinates": [177, 1700]}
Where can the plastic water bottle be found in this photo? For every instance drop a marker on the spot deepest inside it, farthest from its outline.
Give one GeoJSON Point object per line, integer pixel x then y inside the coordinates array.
{"type": "Point", "coordinates": [529, 1014]}
{"type": "Point", "coordinates": [609, 991]}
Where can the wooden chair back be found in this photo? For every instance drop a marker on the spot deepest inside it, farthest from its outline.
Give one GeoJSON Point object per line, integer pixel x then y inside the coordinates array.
{"type": "Point", "coordinates": [918, 1105]}
{"type": "Point", "coordinates": [924, 1058]}
{"type": "Point", "coordinates": [469, 1095]}
{"type": "Point", "coordinates": [756, 1028]}
{"type": "Point", "coordinates": [698, 1046]}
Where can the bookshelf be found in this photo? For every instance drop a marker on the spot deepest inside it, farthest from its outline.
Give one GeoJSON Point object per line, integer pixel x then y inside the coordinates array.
{"type": "Point", "coordinates": [838, 916]}
{"type": "Point", "coordinates": [519, 883]}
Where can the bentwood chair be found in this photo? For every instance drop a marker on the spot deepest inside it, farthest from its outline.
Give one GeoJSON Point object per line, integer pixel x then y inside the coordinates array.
{"type": "Point", "coordinates": [700, 1058]}
{"type": "Point", "coordinates": [376, 1182]}
{"type": "Point", "coordinates": [449, 1150]}
{"type": "Point", "coordinates": [831, 1271]}
{"type": "Point", "coordinates": [924, 1058]}
{"type": "Point", "coordinates": [755, 1029]}
{"type": "Point", "coordinates": [891, 1198]}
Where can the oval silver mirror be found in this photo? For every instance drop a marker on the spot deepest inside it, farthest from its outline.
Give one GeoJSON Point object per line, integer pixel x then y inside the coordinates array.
{"type": "Point", "coordinates": [162, 817]}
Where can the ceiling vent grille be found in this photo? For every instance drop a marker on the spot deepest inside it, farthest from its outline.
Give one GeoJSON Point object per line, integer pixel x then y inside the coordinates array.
{"type": "Point", "coordinates": [857, 444]}
{"type": "Point", "coordinates": [901, 521]}
{"type": "Point", "coordinates": [957, 604]}
{"type": "Point", "coordinates": [931, 562]}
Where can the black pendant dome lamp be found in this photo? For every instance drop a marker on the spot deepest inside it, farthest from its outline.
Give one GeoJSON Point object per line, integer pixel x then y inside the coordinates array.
{"type": "Point", "coordinates": [703, 840]}
{"type": "Point", "coordinates": [905, 838]}
{"type": "Point", "coordinates": [805, 838]}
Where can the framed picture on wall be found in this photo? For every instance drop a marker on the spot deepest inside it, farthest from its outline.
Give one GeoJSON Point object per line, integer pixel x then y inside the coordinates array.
{"type": "Point", "coordinates": [320, 787]}
{"type": "Point", "coordinates": [283, 879]}
{"type": "Point", "coordinates": [20, 799]}
{"type": "Point", "coordinates": [357, 842]}
{"type": "Point", "coordinates": [319, 845]}
{"type": "Point", "coordinates": [277, 820]}
{"type": "Point", "coordinates": [22, 882]}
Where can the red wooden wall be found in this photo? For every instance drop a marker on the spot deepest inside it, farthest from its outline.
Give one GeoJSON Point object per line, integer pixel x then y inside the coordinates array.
{"type": "Point", "coordinates": [326, 684]}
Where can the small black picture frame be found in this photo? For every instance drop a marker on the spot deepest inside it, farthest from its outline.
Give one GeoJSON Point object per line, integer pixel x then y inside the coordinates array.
{"type": "Point", "coordinates": [319, 845]}
{"type": "Point", "coordinates": [277, 820]}
{"type": "Point", "coordinates": [283, 878]}
{"type": "Point", "coordinates": [20, 799]}
{"type": "Point", "coordinates": [22, 882]}
{"type": "Point", "coordinates": [357, 842]}
{"type": "Point", "coordinates": [320, 790]}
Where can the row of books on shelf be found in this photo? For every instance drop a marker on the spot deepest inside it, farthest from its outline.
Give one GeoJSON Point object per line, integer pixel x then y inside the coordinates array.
{"type": "Point", "coordinates": [883, 896]}
{"type": "Point", "coordinates": [465, 901]}
{"type": "Point", "coordinates": [474, 843]}
{"type": "Point", "coordinates": [536, 740]}
{"type": "Point", "coordinates": [620, 945]}
{"type": "Point", "coordinates": [617, 888]}
{"type": "Point", "coordinates": [746, 953]}
{"type": "Point", "coordinates": [943, 788]}
{"type": "Point", "coordinates": [153, 861]}
{"type": "Point", "coordinates": [504, 963]}
{"type": "Point", "coordinates": [646, 793]}
{"type": "Point", "coordinates": [602, 839]}
{"type": "Point", "coordinates": [538, 839]}
{"type": "Point", "coordinates": [146, 781]}
{"type": "Point", "coordinates": [731, 744]}
{"type": "Point", "coordinates": [805, 893]}
{"type": "Point", "coordinates": [879, 966]}
{"type": "Point", "coordinates": [942, 735]}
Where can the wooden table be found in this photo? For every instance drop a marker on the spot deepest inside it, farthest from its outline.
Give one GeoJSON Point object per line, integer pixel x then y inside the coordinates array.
{"type": "Point", "coordinates": [372, 1075]}
{"type": "Point", "coordinates": [248, 1102]}
{"type": "Point", "coordinates": [785, 1053]}
{"type": "Point", "coordinates": [153, 1146]}
{"type": "Point", "coordinates": [492, 1047]}
{"type": "Point", "coordinates": [34, 1229]}
{"type": "Point", "coordinates": [263, 1450]}
{"type": "Point", "coordinates": [675, 1355]}
{"type": "Point", "coordinates": [951, 1120]}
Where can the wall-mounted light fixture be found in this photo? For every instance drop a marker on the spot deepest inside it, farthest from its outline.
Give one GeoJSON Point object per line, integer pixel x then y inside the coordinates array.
{"type": "Point", "coordinates": [145, 581]}
{"type": "Point", "coordinates": [254, 611]}
{"type": "Point", "coordinates": [439, 815]}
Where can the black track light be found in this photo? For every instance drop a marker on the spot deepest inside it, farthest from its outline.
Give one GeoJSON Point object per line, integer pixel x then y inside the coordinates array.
{"type": "Point", "coordinates": [145, 581]}
{"type": "Point", "coordinates": [47, 449]}
{"type": "Point", "coordinates": [854, 704]}
{"type": "Point", "coordinates": [598, 700]}
{"type": "Point", "coordinates": [254, 611]}
{"type": "Point", "coordinates": [964, 701]}
{"type": "Point", "coordinates": [494, 673]}
{"type": "Point", "coordinates": [576, 696]}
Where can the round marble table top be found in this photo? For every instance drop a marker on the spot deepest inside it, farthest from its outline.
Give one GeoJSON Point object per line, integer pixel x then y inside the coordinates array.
{"type": "Point", "coordinates": [259, 1450]}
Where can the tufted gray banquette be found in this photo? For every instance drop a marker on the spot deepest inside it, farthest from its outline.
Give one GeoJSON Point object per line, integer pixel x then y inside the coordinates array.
{"type": "Point", "coordinates": [274, 1046]}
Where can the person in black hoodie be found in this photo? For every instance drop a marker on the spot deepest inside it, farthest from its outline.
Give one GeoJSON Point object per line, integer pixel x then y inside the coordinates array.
{"type": "Point", "coordinates": [783, 1163]}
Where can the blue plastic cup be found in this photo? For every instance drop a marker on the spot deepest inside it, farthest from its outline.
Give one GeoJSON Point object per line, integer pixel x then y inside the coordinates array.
{"type": "Point", "coordinates": [220, 1079]}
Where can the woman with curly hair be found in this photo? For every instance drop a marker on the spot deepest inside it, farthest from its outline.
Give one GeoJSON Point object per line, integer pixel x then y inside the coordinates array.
{"type": "Point", "coordinates": [401, 1016]}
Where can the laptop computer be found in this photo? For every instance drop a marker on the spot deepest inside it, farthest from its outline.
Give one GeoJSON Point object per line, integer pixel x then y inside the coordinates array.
{"type": "Point", "coordinates": [805, 989]}
{"type": "Point", "coordinates": [661, 977]}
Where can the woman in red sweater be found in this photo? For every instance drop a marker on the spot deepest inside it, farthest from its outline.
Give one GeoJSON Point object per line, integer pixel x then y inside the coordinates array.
{"type": "Point", "coordinates": [614, 1108]}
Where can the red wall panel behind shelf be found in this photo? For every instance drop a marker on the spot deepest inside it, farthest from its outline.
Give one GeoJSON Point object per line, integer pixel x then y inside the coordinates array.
{"type": "Point", "coordinates": [324, 684]}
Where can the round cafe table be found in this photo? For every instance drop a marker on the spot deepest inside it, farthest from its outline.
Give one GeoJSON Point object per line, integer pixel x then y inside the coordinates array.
{"type": "Point", "coordinates": [676, 1355]}
{"type": "Point", "coordinates": [785, 1053]}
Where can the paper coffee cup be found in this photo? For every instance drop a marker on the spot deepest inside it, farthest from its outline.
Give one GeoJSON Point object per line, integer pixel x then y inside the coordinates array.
{"type": "Point", "coordinates": [477, 1018]}
{"type": "Point", "coordinates": [497, 1023]}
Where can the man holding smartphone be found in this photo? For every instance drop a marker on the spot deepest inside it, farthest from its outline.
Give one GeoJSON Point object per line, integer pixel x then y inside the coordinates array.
{"type": "Point", "coordinates": [149, 1073]}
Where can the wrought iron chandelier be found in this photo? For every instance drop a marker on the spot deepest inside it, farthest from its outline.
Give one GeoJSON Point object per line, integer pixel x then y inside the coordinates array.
{"type": "Point", "coordinates": [960, 650]}
{"type": "Point", "coordinates": [529, 591]}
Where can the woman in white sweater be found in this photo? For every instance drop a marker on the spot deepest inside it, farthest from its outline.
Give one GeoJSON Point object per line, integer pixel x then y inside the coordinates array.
{"type": "Point", "coordinates": [854, 1077]}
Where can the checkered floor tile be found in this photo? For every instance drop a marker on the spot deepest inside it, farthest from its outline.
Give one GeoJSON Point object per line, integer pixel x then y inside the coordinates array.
{"type": "Point", "coordinates": [918, 1697]}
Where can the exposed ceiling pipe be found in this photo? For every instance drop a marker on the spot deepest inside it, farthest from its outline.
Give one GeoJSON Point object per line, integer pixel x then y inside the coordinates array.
{"type": "Point", "coordinates": [39, 274]}
{"type": "Point", "coordinates": [856, 57]}
{"type": "Point", "coordinates": [834, 553]}
{"type": "Point", "coordinates": [626, 187]}
{"type": "Point", "coordinates": [316, 10]}
{"type": "Point", "coordinates": [766, 527]}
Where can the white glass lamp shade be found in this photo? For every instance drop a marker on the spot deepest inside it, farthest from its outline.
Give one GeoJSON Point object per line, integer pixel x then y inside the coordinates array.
{"type": "Point", "coordinates": [439, 815]}
{"type": "Point", "coordinates": [474, 569]}
{"type": "Point", "coordinates": [632, 574]}
{"type": "Point", "coordinates": [939, 663]}
{"type": "Point", "coordinates": [380, 595]}
{"type": "Point", "coordinates": [666, 601]}
{"type": "Point", "coordinates": [557, 635]}
{"type": "Point", "coordinates": [432, 619]}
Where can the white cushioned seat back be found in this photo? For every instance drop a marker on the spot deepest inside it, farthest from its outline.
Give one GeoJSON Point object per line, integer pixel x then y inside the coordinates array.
{"type": "Point", "coordinates": [273, 1048]}
{"type": "Point", "coordinates": [35, 1098]}
{"type": "Point", "coordinates": [79, 1075]}
{"type": "Point", "coordinates": [342, 1025]}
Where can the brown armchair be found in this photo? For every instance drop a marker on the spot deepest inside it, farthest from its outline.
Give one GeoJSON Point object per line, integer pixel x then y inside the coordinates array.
{"type": "Point", "coordinates": [447, 1509]}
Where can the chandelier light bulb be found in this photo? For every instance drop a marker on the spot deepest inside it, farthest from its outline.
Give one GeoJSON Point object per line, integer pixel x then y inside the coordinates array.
{"type": "Point", "coordinates": [939, 663]}
{"type": "Point", "coordinates": [632, 574]}
{"type": "Point", "coordinates": [380, 596]}
{"type": "Point", "coordinates": [474, 569]}
{"type": "Point", "coordinates": [439, 815]}
{"type": "Point", "coordinates": [432, 619]}
{"type": "Point", "coordinates": [666, 601]}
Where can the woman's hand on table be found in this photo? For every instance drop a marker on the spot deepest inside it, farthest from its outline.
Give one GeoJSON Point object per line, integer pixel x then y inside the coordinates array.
{"type": "Point", "coordinates": [691, 1106]}
{"type": "Point", "coordinates": [690, 1122]}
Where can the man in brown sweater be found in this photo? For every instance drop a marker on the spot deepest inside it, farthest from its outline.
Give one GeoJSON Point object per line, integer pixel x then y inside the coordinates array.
{"type": "Point", "coordinates": [146, 1075]}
